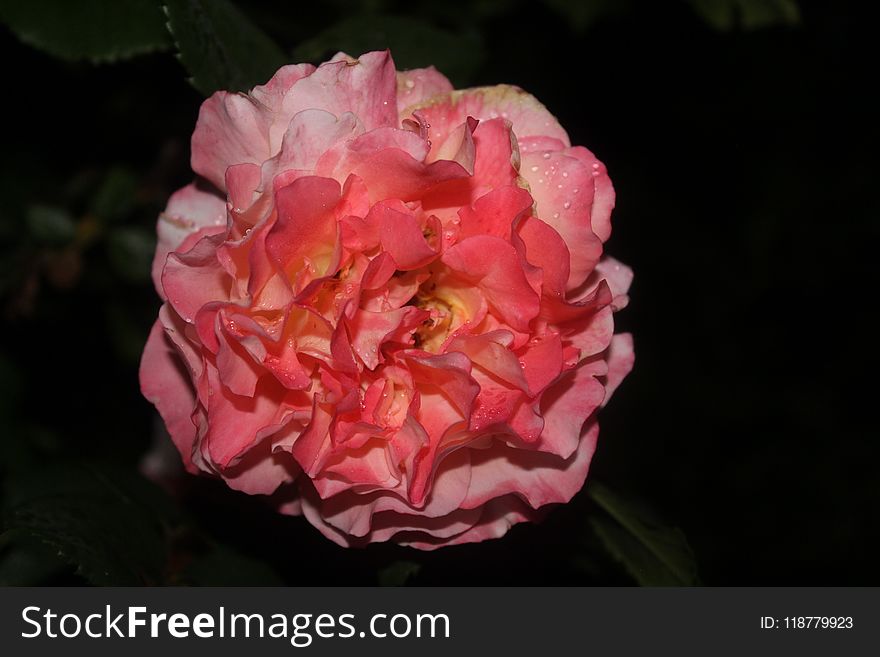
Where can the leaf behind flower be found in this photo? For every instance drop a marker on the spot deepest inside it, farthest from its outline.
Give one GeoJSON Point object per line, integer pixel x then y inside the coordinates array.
{"type": "Point", "coordinates": [220, 47]}
{"type": "Point", "coordinates": [654, 554]}
{"type": "Point", "coordinates": [95, 30]}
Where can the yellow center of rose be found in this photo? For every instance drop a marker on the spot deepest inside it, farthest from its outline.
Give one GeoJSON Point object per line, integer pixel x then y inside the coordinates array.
{"type": "Point", "coordinates": [447, 314]}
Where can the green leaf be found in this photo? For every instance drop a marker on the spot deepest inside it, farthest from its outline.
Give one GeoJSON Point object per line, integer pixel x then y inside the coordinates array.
{"type": "Point", "coordinates": [109, 523]}
{"type": "Point", "coordinates": [50, 225]}
{"type": "Point", "coordinates": [95, 30]}
{"type": "Point", "coordinates": [582, 14]}
{"type": "Point", "coordinates": [655, 555]}
{"type": "Point", "coordinates": [220, 47]}
{"type": "Point", "coordinates": [131, 252]}
{"type": "Point", "coordinates": [398, 573]}
{"type": "Point", "coordinates": [725, 15]}
{"type": "Point", "coordinates": [115, 198]}
{"type": "Point", "coordinates": [413, 44]}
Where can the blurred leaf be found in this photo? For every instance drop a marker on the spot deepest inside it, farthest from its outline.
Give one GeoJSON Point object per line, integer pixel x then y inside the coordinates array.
{"type": "Point", "coordinates": [220, 47]}
{"type": "Point", "coordinates": [725, 15]}
{"type": "Point", "coordinates": [127, 330]}
{"type": "Point", "coordinates": [398, 573]}
{"type": "Point", "coordinates": [50, 225]}
{"type": "Point", "coordinates": [131, 252]}
{"type": "Point", "coordinates": [115, 197]}
{"type": "Point", "coordinates": [96, 30]}
{"type": "Point", "coordinates": [581, 14]}
{"type": "Point", "coordinates": [222, 566]}
{"type": "Point", "coordinates": [413, 44]}
{"type": "Point", "coordinates": [107, 522]}
{"type": "Point", "coordinates": [655, 555]}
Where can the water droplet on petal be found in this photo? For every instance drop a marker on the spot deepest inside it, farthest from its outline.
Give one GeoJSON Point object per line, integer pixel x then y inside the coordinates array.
{"type": "Point", "coordinates": [575, 190]}
{"type": "Point", "coordinates": [546, 156]}
{"type": "Point", "coordinates": [566, 205]}
{"type": "Point", "coordinates": [540, 181]}
{"type": "Point", "coordinates": [410, 84]}
{"type": "Point", "coordinates": [535, 167]}
{"type": "Point", "coordinates": [595, 165]}
{"type": "Point", "coordinates": [565, 174]}
{"type": "Point", "coordinates": [556, 215]}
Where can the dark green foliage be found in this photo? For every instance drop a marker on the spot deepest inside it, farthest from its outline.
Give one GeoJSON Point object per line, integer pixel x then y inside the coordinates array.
{"type": "Point", "coordinates": [219, 46]}
{"type": "Point", "coordinates": [96, 30]}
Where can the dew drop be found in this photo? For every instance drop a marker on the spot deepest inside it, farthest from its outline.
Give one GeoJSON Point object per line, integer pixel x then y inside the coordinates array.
{"type": "Point", "coordinates": [565, 174]}
{"type": "Point", "coordinates": [595, 165]}
{"type": "Point", "coordinates": [535, 167]}
{"type": "Point", "coordinates": [546, 156]}
{"type": "Point", "coordinates": [540, 181]}
{"type": "Point", "coordinates": [566, 205]}
{"type": "Point", "coordinates": [556, 215]}
{"type": "Point", "coordinates": [575, 190]}
{"type": "Point", "coordinates": [559, 186]}
{"type": "Point", "coordinates": [410, 84]}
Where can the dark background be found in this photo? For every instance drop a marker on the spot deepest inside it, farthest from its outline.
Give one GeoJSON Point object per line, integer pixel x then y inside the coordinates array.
{"type": "Point", "coordinates": [744, 155]}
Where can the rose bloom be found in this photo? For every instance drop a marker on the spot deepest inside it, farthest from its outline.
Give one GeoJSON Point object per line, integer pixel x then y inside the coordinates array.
{"type": "Point", "coordinates": [385, 303]}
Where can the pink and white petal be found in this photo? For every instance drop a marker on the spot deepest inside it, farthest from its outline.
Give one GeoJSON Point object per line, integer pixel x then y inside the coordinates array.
{"type": "Point", "coordinates": [196, 277]}
{"type": "Point", "coordinates": [495, 520]}
{"type": "Point", "coordinates": [619, 278]}
{"type": "Point", "coordinates": [166, 383]}
{"type": "Point", "coordinates": [562, 187]}
{"type": "Point", "coordinates": [526, 114]}
{"type": "Point", "coordinates": [261, 471]}
{"type": "Point", "coordinates": [417, 86]}
{"type": "Point", "coordinates": [565, 406]}
{"type": "Point", "coordinates": [537, 477]}
{"type": "Point", "coordinates": [603, 192]}
{"type": "Point", "coordinates": [366, 87]}
{"type": "Point", "coordinates": [189, 210]}
{"type": "Point", "coordinates": [232, 128]}
{"type": "Point", "coordinates": [621, 359]}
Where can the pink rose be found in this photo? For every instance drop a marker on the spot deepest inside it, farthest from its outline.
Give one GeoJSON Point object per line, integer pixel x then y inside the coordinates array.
{"type": "Point", "coordinates": [386, 304]}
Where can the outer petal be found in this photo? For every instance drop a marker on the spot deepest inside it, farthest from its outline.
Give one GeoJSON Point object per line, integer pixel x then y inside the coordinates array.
{"type": "Point", "coordinates": [528, 117]}
{"type": "Point", "coordinates": [563, 189]}
{"type": "Point", "coordinates": [167, 385]}
{"type": "Point", "coordinates": [189, 209]}
{"type": "Point", "coordinates": [417, 86]}
{"type": "Point", "coordinates": [621, 359]}
{"type": "Point", "coordinates": [537, 477]}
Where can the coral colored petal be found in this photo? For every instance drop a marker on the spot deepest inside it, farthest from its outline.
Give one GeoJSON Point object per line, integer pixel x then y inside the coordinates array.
{"type": "Point", "coordinates": [494, 267]}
